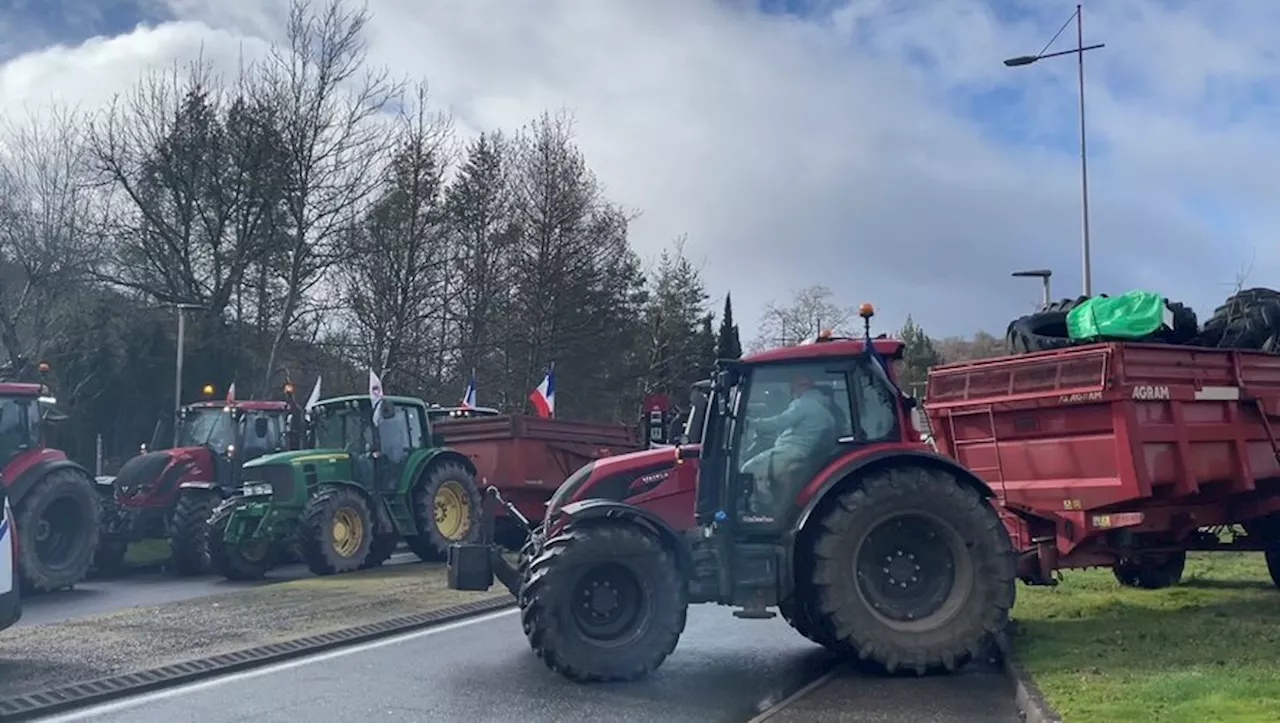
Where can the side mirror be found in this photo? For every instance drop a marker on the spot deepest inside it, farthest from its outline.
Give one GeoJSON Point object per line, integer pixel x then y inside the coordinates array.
{"type": "Point", "coordinates": [388, 410]}
{"type": "Point", "coordinates": [260, 428]}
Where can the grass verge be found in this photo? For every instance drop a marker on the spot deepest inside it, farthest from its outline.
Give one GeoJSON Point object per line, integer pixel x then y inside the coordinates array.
{"type": "Point", "coordinates": [42, 656]}
{"type": "Point", "coordinates": [1205, 650]}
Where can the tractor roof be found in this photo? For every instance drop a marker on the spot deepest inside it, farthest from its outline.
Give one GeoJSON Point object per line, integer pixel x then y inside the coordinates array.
{"type": "Point", "coordinates": [837, 347]}
{"type": "Point", "coordinates": [15, 389]}
{"type": "Point", "coordinates": [258, 405]}
{"type": "Point", "coordinates": [394, 399]}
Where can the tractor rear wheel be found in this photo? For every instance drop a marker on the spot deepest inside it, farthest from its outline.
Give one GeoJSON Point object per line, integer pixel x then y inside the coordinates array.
{"type": "Point", "coordinates": [246, 561]}
{"type": "Point", "coordinates": [189, 531]}
{"type": "Point", "coordinates": [1151, 572]}
{"type": "Point", "coordinates": [337, 531]}
{"type": "Point", "coordinates": [447, 509]}
{"type": "Point", "coordinates": [603, 602]}
{"type": "Point", "coordinates": [913, 570]}
{"type": "Point", "coordinates": [57, 524]}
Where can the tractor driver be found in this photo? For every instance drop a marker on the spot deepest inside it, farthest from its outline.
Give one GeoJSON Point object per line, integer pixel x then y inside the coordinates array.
{"type": "Point", "coordinates": [805, 432]}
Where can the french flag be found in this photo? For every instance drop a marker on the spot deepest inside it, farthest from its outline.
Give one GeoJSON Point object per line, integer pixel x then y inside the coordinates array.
{"type": "Point", "coordinates": [469, 396]}
{"type": "Point", "coordinates": [544, 397]}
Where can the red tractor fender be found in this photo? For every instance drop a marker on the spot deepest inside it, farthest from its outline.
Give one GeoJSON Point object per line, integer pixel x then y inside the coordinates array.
{"type": "Point", "coordinates": [601, 509]}
{"type": "Point", "coordinates": [27, 471]}
{"type": "Point", "coordinates": [855, 464]}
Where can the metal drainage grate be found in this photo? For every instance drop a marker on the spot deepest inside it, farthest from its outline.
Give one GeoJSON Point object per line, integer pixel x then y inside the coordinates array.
{"type": "Point", "coordinates": [79, 695]}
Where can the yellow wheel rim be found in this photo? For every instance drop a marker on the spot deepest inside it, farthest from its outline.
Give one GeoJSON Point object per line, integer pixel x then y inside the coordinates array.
{"type": "Point", "coordinates": [453, 511]}
{"type": "Point", "coordinates": [347, 532]}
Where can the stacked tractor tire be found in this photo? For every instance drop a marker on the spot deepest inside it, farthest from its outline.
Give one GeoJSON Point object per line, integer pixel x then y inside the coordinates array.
{"type": "Point", "coordinates": [1248, 319]}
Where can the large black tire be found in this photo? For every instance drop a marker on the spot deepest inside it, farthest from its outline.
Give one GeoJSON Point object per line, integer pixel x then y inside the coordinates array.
{"type": "Point", "coordinates": [913, 570]}
{"type": "Point", "coordinates": [1249, 319]}
{"type": "Point", "coordinates": [336, 531]}
{"type": "Point", "coordinates": [1038, 332]}
{"type": "Point", "coordinates": [1151, 572]}
{"type": "Point", "coordinates": [189, 531]}
{"type": "Point", "coordinates": [1185, 329]}
{"type": "Point", "coordinates": [380, 550]}
{"type": "Point", "coordinates": [447, 509]}
{"type": "Point", "coordinates": [57, 523]}
{"type": "Point", "coordinates": [1273, 564]}
{"type": "Point", "coordinates": [238, 562]}
{"type": "Point", "coordinates": [637, 590]}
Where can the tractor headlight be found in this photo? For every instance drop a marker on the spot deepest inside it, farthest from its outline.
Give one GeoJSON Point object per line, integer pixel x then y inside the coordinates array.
{"type": "Point", "coordinates": [256, 489]}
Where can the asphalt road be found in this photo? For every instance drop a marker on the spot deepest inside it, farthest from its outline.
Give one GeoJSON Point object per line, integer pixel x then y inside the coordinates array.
{"type": "Point", "coordinates": [95, 597]}
{"type": "Point", "coordinates": [482, 670]}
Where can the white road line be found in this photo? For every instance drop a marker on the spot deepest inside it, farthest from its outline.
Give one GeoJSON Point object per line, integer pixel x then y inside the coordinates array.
{"type": "Point", "coordinates": [785, 703]}
{"type": "Point", "coordinates": [92, 712]}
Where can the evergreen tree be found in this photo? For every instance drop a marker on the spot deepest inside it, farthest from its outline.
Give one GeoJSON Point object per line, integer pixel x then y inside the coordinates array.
{"type": "Point", "coordinates": [918, 354]}
{"type": "Point", "coordinates": [728, 343]}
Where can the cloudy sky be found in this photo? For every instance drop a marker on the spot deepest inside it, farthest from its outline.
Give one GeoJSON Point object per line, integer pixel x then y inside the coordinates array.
{"type": "Point", "coordinates": [878, 147]}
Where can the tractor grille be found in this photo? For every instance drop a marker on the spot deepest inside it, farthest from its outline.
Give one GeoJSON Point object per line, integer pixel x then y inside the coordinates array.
{"type": "Point", "coordinates": [279, 475]}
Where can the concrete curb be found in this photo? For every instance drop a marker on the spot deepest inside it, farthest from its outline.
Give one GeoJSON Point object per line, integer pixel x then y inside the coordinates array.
{"type": "Point", "coordinates": [80, 695]}
{"type": "Point", "coordinates": [1032, 707]}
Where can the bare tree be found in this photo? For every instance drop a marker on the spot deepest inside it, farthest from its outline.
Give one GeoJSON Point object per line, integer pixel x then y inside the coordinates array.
{"type": "Point", "coordinates": [811, 310]}
{"type": "Point", "coordinates": [329, 105]}
{"type": "Point", "coordinates": [47, 233]}
{"type": "Point", "coordinates": [397, 257]}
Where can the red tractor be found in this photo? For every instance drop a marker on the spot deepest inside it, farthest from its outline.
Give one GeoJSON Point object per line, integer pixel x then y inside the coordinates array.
{"type": "Point", "coordinates": [171, 493]}
{"type": "Point", "coordinates": [55, 512]}
{"type": "Point", "coordinates": [804, 487]}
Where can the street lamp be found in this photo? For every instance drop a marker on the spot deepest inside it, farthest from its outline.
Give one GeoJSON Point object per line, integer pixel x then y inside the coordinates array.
{"type": "Point", "coordinates": [1043, 275]}
{"type": "Point", "coordinates": [177, 375]}
{"type": "Point", "coordinates": [1078, 51]}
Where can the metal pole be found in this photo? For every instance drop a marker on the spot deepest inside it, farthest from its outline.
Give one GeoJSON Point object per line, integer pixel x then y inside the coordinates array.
{"type": "Point", "coordinates": [97, 457]}
{"type": "Point", "coordinates": [177, 376]}
{"type": "Point", "coordinates": [1047, 297]}
{"type": "Point", "coordinates": [1084, 166]}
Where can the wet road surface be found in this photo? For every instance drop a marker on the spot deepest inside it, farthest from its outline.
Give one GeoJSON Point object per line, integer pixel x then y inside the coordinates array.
{"type": "Point", "coordinates": [96, 597]}
{"type": "Point", "coordinates": [482, 670]}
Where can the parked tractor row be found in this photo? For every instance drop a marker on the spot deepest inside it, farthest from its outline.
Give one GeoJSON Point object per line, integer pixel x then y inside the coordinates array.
{"type": "Point", "coordinates": [250, 484]}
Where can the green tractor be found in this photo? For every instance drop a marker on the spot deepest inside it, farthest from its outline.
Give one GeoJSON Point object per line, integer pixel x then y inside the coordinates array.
{"type": "Point", "coordinates": [347, 501]}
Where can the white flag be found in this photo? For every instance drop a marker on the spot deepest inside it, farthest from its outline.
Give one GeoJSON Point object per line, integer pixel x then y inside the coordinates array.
{"type": "Point", "coordinates": [231, 393]}
{"type": "Point", "coordinates": [315, 396]}
{"type": "Point", "coordinates": [375, 395]}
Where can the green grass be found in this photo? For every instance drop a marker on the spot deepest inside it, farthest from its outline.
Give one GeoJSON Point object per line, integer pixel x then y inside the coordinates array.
{"type": "Point", "coordinates": [1204, 651]}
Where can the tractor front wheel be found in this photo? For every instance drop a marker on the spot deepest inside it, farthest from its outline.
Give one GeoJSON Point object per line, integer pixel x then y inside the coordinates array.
{"type": "Point", "coordinates": [912, 570]}
{"type": "Point", "coordinates": [113, 544]}
{"type": "Point", "coordinates": [189, 532]}
{"type": "Point", "coordinates": [337, 532]}
{"type": "Point", "coordinates": [380, 550]}
{"type": "Point", "coordinates": [447, 509]}
{"type": "Point", "coordinates": [57, 524]}
{"type": "Point", "coordinates": [603, 602]}
{"type": "Point", "coordinates": [241, 561]}
{"type": "Point", "coordinates": [1151, 572]}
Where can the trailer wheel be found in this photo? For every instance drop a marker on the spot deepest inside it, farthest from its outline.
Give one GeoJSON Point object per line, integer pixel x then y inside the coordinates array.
{"type": "Point", "coordinates": [1151, 572]}
{"type": "Point", "coordinates": [447, 509]}
{"type": "Point", "coordinates": [108, 559]}
{"type": "Point", "coordinates": [336, 531]}
{"type": "Point", "coordinates": [189, 537]}
{"type": "Point", "coordinates": [57, 524]}
{"type": "Point", "coordinates": [1273, 564]}
{"type": "Point", "coordinates": [604, 602]}
{"type": "Point", "coordinates": [913, 571]}
{"type": "Point", "coordinates": [236, 562]}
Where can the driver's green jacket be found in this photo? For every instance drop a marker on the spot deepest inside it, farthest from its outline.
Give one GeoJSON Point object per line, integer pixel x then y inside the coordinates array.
{"type": "Point", "coordinates": [806, 425]}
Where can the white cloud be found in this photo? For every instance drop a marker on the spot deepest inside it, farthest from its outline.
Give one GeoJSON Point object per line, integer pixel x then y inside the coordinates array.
{"type": "Point", "coordinates": [842, 150]}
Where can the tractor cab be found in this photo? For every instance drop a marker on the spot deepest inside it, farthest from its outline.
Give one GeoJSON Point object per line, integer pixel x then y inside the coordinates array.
{"type": "Point", "coordinates": [232, 433]}
{"type": "Point", "coordinates": [22, 408]}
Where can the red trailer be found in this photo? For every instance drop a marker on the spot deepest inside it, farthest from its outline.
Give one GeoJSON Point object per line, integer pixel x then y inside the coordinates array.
{"type": "Point", "coordinates": [1120, 455]}
{"type": "Point", "coordinates": [527, 458]}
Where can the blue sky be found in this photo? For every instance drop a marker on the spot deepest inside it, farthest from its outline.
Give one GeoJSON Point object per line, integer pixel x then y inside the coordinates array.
{"type": "Point", "coordinates": [878, 147]}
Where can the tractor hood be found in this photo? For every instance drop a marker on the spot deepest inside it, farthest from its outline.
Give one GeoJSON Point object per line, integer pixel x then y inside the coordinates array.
{"type": "Point", "coordinates": [299, 456]}
{"type": "Point", "coordinates": [614, 477]}
{"type": "Point", "coordinates": [147, 470]}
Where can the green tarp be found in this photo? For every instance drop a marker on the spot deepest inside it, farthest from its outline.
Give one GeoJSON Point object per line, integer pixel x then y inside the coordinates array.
{"type": "Point", "coordinates": [1131, 316]}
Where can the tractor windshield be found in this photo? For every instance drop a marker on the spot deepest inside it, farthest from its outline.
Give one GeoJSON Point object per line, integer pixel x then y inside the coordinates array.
{"type": "Point", "coordinates": [19, 426]}
{"type": "Point", "coordinates": [343, 426]}
{"type": "Point", "coordinates": [207, 427]}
